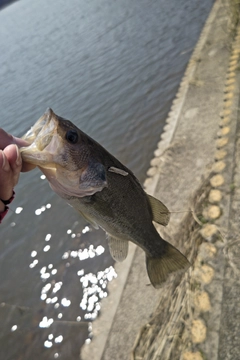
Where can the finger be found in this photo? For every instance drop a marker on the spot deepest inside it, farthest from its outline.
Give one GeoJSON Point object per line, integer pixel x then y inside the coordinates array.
{"type": "Point", "coordinates": [20, 142]}
{"type": "Point", "coordinates": [4, 164]}
{"type": "Point", "coordinates": [5, 139]}
{"type": "Point", "coordinates": [6, 183]}
{"type": "Point", "coordinates": [14, 158]}
{"type": "Point", "coordinates": [13, 155]}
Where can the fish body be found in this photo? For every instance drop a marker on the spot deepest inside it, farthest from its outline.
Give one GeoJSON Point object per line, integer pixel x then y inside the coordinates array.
{"type": "Point", "coordinates": [104, 191]}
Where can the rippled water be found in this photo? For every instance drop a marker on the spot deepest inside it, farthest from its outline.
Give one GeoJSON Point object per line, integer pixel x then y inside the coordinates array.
{"type": "Point", "coordinates": [113, 68]}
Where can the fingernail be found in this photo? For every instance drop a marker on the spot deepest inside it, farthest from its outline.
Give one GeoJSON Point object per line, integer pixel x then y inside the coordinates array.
{"type": "Point", "coordinates": [5, 164]}
{"type": "Point", "coordinates": [19, 158]}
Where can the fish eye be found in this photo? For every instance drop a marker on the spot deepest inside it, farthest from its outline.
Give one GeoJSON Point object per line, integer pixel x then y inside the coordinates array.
{"type": "Point", "coordinates": [72, 136]}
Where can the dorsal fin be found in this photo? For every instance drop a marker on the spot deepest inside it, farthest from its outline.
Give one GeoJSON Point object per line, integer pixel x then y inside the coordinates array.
{"type": "Point", "coordinates": [118, 248]}
{"type": "Point", "coordinates": [160, 212]}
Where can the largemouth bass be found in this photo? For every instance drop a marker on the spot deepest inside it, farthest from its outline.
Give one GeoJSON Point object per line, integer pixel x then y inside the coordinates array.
{"type": "Point", "coordinates": [104, 191]}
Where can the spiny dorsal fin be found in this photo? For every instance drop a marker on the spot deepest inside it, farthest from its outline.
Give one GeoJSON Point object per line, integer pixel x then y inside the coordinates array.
{"type": "Point", "coordinates": [118, 248]}
{"type": "Point", "coordinates": [160, 212]}
{"type": "Point", "coordinates": [171, 261]}
{"type": "Point", "coordinates": [118, 171]}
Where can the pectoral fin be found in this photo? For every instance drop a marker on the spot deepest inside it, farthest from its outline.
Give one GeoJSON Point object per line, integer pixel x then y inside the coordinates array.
{"type": "Point", "coordinates": [160, 212]}
{"type": "Point", "coordinates": [118, 171]}
{"type": "Point", "coordinates": [118, 248]}
{"type": "Point", "coordinates": [90, 221]}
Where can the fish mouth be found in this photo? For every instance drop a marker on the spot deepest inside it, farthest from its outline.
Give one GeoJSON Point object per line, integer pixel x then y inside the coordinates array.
{"type": "Point", "coordinates": [43, 141]}
{"type": "Point", "coordinates": [32, 133]}
{"type": "Point", "coordinates": [60, 158]}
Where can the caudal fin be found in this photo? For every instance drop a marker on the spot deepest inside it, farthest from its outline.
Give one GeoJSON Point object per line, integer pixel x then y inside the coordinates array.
{"type": "Point", "coordinates": [171, 261]}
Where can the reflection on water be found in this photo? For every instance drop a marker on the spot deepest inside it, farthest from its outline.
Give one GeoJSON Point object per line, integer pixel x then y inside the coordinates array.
{"type": "Point", "coordinates": [70, 293]}
{"type": "Point", "coordinates": [113, 69]}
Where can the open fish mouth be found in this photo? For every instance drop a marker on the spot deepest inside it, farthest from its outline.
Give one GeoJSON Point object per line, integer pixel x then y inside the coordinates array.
{"type": "Point", "coordinates": [56, 148]}
{"type": "Point", "coordinates": [43, 141]}
{"type": "Point", "coordinates": [42, 129]}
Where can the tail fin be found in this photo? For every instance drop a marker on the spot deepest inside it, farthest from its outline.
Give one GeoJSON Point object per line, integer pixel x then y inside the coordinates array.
{"type": "Point", "coordinates": [159, 268]}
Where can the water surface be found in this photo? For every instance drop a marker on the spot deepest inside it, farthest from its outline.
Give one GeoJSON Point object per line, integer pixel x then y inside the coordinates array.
{"type": "Point", "coordinates": [113, 68]}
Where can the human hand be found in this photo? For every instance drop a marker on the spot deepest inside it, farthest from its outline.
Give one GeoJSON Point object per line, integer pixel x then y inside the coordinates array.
{"type": "Point", "coordinates": [10, 165]}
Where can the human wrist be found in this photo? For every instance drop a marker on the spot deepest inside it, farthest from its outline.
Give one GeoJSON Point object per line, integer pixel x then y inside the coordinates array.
{"type": "Point", "coordinates": [9, 199]}
{"type": "Point", "coordinates": [3, 206]}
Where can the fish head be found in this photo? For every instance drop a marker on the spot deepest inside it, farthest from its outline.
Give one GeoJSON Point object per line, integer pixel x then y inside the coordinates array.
{"type": "Point", "coordinates": [65, 155]}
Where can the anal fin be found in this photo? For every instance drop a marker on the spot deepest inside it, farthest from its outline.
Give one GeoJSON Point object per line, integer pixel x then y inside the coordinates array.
{"type": "Point", "coordinates": [118, 248]}
{"type": "Point", "coordinates": [160, 212]}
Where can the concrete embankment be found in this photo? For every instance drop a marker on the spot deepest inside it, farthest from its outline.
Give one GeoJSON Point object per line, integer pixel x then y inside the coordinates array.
{"type": "Point", "coordinates": [194, 316]}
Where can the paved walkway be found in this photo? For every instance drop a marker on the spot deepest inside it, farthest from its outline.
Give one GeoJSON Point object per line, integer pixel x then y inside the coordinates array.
{"type": "Point", "coordinates": [197, 167]}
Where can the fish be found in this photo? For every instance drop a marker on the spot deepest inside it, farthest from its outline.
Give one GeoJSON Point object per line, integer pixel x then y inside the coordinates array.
{"type": "Point", "coordinates": [104, 192]}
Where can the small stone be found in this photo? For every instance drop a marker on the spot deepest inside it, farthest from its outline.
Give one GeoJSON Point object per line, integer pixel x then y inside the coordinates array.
{"type": "Point", "coordinates": [232, 67]}
{"type": "Point", "coordinates": [208, 251]}
{"type": "Point", "coordinates": [219, 166]}
{"type": "Point", "coordinates": [227, 103]}
{"type": "Point", "coordinates": [215, 196]}
{"type": "Point", "coordinates": [188, 355]}
{"type": "Point", "coordinates": [206, 274]}
{"type": "Point", "coordinates": [217, 180]}
{"type": "Point", "coordinates": [230, 88]}
{"type": "Point", "coordinates": [213, 212]}
{"type": "Point", "coordinates": [235, 52]}
{"type": "Point", "coordinates": [220, 154]}
{"type": "Point", "coordinates": [228, 96]}
{"type": "Point", "coordinates": [233, 62]}
{"type": "Point", "coordinates": [148, 182]}
{"type": "Point", "coordinates": [230, 81]}
{"type": "Point", "coordinates": [167, 127]}
{"type": "Point", "coordinates": [202, 301]}
{"type": "Point", "coordinates": [171, 113]}
{"type": "Point", "coordinates": [221, 142]}
{"type": "Point", "coordinates": [175, 101]}
{"type": "Point", "coordinates": [234, 57]}
{"type": "Point", "coordinates": [165, 136]}
{"type": "Point", "coordinates": [158, 152]}
{"type": "Point", "coordinates": [226, 112]}
{"type": "Point", "coordinates": [231, 75]}
{"type": "Point", "coordinates": [209, 231]}
{"type": "Point", "coordinates": [152, 171]}
{"type": "Point", "coordinates": [224, 131]}
{"type": "Point", "coordinates": [155, 161]}
{"type": "Point", "coordinates": [225, 121]}
{"type": "Point", "coordinates": [199, 331]}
